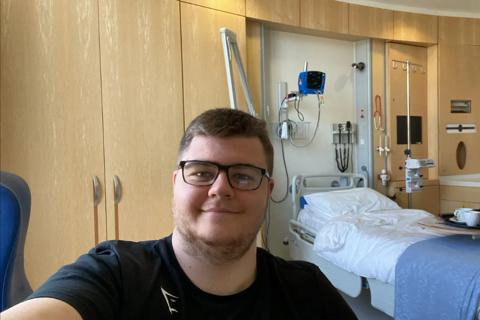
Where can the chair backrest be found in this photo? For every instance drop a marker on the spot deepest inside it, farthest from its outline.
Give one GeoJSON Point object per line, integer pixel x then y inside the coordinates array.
{"type": "Point", "coordinates": [14, 216]}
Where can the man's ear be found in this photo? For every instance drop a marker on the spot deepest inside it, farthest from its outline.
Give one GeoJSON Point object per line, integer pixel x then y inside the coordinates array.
{"type": "Point", "coordinates": [174, 176]}
{"type": "Point", "coordinates": [271, 184]}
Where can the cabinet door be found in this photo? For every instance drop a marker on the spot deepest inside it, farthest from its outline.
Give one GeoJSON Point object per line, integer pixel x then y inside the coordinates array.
{"type": "Point", "coordinates": [204, 77]}
{"type": "Point", "coordinates": [51, 125]}
{"type": "Point", "coordinates": [232, 6]}
{"type": "Point", "coordinates": [448, 206]}
{"type": "Point", "coordinates": [428, 199]}
{"type": "Point", "coordinates": [453, 30]}
{"type": "Point", "coordinates": [415, 27]}
{"type": "Point", "coordinates": [142, 112]}
{"type": "Point", "coordinates": [460, 194]}
{"type": "Point", "coordinates": [280, 11]}
{"type": "Point", "coordinates": [370, 22]}
{"type": "Point", "coordinates": [324, 15]}
{"type": "Point", "coordinates": [397, 104]}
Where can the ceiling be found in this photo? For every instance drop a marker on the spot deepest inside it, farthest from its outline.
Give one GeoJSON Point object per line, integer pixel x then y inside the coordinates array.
{"type": "Point", "coordinates": [453, 8]}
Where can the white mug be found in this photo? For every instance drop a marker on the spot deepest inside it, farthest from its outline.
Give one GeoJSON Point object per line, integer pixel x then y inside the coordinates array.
{"type": "Point", "coordinates": [472, 218]}
{"type": "Point", "coordinates": [460, 213]}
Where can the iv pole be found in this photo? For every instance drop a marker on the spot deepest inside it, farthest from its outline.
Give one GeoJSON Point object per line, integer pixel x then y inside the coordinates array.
{"type": "Point", "coordinates": [409, 150]}
{"type": "Point", "coordinates": [230, 45]}
{"type": "Point", "coordinates": [413, 178]}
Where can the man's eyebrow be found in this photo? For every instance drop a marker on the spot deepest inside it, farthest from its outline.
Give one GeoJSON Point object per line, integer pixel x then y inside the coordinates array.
{"type": "Point", "coordinates": [230, 165]}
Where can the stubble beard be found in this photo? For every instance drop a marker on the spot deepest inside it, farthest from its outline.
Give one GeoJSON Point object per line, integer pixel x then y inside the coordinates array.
{"type": "Point", "coordinates": [214, 251]}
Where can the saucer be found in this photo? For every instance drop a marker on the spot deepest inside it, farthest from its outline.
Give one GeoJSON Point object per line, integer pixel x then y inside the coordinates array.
{"type": "Point", "coordinates": [455, 220]}
{"type": "Point", "coordinates": [451, 220]}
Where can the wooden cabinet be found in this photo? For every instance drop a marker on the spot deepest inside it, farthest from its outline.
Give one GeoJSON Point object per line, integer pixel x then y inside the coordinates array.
{"type": "Point", "coordinates": [80, 99]}
{"type": "Point", "coordinates": [51, 125]}
{"type": "Point", "coordinates": [449, 206]}
{"type": "Point", "coordinates": [427, 199]}
{"type": "Point", "coordinates": [204, 76]}
{"type": "Point", "coordinates": [324, 15]}
{"type": "Point", "coordinates": [370, 22]}
{"type": "Point", "coordinates": [397, 55]}
{"type": "Point", "coordinates": [142, 113]}
{"type": "Point", "coordinates": [459, 79]}
{"type": "Point", "coordinates": [415, 27]}
{"type": "Point", "coordinates": [231, 6]}
{"type": "Point", "coordinates": [280, 11]}
{"type": "Point", "coordinates": [463, 31]}
{"type": "Point", "coordinates": [453, 197]}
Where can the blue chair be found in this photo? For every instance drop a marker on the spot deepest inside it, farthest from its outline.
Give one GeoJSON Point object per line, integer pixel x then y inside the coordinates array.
{"type": "Point", "coordinates": [14, 216]}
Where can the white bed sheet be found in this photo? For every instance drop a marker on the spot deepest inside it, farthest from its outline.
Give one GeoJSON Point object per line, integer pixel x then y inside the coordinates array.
{"type": "Point", "coordinates": [309, 217]}
{"type": "Point", "coordinates": [370, 243]}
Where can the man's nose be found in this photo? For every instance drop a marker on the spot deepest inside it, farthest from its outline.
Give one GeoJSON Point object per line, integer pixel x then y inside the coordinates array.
{"type": "Point", "coordinates": [221, 186]}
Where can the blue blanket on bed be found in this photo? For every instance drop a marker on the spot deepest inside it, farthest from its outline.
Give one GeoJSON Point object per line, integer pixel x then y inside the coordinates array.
{"type": "Point", "coordinates": [438, 279]}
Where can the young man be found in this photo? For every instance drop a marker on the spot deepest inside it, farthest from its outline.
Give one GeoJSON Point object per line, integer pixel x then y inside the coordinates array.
{"type": "Point", "coordinates": [210, 267]}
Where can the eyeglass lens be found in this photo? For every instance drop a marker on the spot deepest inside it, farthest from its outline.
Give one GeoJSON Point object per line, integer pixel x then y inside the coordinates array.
{"type": "Point", "coordinates": [241, 177]}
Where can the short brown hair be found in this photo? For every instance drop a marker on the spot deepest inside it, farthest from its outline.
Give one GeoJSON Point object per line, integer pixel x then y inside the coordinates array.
{"type": "Point", "coordinates": [224, 123]}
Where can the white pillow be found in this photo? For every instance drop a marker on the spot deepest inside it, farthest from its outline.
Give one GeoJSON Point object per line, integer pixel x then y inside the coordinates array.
{"type": "Point", "coordinates": [356, 200]}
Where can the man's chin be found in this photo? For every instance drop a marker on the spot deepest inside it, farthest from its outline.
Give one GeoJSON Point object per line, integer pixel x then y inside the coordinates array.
{"type": "Point", "coordinates": [227, 241]}
{"type": "Point", "coordinates": [219, 247]}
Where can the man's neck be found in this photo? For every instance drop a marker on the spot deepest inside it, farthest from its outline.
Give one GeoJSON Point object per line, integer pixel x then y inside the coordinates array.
{"type": "Point", "coordinates": [225, 278]}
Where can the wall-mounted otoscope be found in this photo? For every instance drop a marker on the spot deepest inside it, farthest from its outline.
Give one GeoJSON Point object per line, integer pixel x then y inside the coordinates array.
{"type": "Point", "coordinates": [343, 137]}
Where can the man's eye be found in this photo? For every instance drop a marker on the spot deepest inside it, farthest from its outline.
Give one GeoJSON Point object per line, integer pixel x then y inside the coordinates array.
{"type": "Point", "coordinates": [203, 174]}
{"type": "Point", "coordinates": [200, 175]}
{"type": "Point", "coordinates": [243, 179]}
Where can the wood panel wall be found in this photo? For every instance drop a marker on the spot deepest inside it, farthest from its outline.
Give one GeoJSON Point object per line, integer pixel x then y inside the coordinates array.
{"type": "Point", "coordinates": [142, 112]}
{"type": "Point", "coordinates": [51, 125]}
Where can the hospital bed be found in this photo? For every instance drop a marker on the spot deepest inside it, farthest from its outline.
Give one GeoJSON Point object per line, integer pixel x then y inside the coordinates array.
{"type": "Point", "coordinates": [351, 280]}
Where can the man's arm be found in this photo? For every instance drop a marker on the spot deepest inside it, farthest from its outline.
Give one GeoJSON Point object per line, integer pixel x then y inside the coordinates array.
{"type": "Point", "coordinates": [41, 308]}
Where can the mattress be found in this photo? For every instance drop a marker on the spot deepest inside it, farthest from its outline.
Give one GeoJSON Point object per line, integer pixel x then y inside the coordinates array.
{"type": "Point", "coordinates": [368, 243]}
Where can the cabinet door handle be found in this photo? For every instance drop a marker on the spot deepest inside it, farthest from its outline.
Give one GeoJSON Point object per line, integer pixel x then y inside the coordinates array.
{"type": "Point", "coordinates": [117, 190]}
{"type": "Point", "coordinates": [97, 191]}
{"type": "Point", "coordinates": [97, 195]}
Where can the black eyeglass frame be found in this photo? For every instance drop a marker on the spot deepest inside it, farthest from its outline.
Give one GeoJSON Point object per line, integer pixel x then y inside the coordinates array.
{"type": "Point", "coordinates": [225, 168]}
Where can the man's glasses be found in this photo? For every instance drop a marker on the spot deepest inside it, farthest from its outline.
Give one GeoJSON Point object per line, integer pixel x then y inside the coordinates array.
{"type": "Point", "coordinates": [240, 176]}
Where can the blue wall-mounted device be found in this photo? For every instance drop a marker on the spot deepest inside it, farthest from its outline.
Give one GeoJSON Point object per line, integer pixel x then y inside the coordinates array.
{"type": "Point", "coordinates": [311, 82]}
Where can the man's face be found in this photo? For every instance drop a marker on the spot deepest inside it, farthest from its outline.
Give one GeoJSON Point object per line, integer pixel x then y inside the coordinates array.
{"type": "Point", "coordinates": [218, 215]}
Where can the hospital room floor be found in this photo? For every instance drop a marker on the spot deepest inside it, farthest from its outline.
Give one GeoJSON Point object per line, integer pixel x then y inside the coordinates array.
{"type": "Point", "coordinates": [363, 309]}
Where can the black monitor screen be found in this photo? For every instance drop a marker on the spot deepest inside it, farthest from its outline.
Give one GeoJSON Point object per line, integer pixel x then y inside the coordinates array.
{"type": "Point", "coordinates": [415, 129]}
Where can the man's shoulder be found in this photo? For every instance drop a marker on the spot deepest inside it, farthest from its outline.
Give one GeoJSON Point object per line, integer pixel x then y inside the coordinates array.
{"type": "Point", "coordinates": [122, 253]}
{"type": "Point", "coordinates": [126, 247]}
{"type": "Point", "coordinates": [290, 265]}
{"type": "Point", "coordinates": [292, 270]}
{"type": "Point", "coordinates": [301, 283]}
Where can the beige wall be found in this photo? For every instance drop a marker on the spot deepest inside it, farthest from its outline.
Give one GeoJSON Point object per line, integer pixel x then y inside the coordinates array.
{"type": "Point", "coordinates": [285, 54]}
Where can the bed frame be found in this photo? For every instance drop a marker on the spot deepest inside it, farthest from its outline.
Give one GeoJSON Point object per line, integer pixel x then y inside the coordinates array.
{"type": "Point", "coordinates": [301, 240]}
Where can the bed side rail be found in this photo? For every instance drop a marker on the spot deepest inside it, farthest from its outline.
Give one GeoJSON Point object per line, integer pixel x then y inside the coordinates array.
{"type": "Point", "coordinates": [305, 184]}
{"type": "Point", "coordinates": [304, 232]}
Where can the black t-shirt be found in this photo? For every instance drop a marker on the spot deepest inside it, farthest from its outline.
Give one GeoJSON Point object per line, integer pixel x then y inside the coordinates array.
{"type": "Point", "coordinates": [143, 280]}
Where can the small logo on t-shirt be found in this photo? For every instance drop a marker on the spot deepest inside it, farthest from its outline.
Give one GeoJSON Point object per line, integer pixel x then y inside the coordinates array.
{"type": "Point", "coordinates": [170, 299]}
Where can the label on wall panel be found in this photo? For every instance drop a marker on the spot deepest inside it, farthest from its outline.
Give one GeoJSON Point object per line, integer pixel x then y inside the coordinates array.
{"type": "Point", "coordinates": [460, 106]}
{"type": "Point", "coordinates": [461, 128]}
